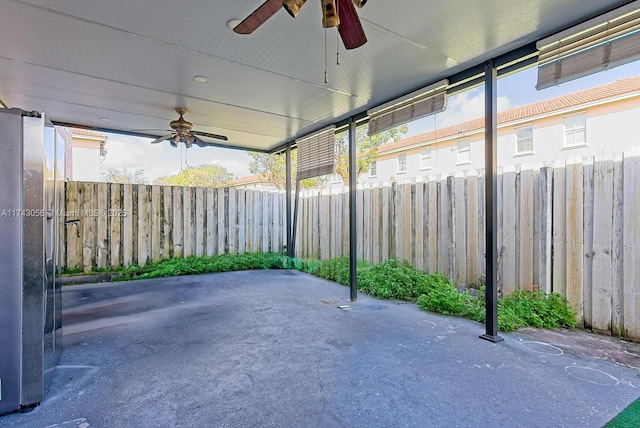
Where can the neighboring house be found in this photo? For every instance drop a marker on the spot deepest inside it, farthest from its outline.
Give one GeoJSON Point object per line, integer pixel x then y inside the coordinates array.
{"type": "Point", "coordinates": [253, 182]}
{"type": "Point", "coordinates": [584, 123]}
{"type": "Point", "coordinates": [87, 154]}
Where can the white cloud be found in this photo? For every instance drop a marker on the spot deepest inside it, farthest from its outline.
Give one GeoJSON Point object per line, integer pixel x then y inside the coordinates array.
{"type": "Point", "coordinates": [461, 107]}
{"type": "Point", "coordinates": [237, 167]}
{"type": "Point", "coordinates": [158, 160]}
{"type": "Point", "coordinates": [466, 106]}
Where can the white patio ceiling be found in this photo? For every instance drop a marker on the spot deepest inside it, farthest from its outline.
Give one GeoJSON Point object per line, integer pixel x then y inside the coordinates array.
{"type": "Point", "coordinates": [125, 65]}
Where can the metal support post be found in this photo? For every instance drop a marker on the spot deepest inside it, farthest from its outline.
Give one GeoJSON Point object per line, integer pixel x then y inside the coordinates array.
{"type": "Point", "coordinates": [290, 249]}
{"type": "Point", "coordinates": [295, 218]}
{"type": "Point", "coordinates": [491, 201]}
{"type": "Point", "coordinates": [353, 261]}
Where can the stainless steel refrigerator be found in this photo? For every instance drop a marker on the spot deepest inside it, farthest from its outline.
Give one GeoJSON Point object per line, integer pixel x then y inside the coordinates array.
{"type": "Point", "coordinates": [32, 166]}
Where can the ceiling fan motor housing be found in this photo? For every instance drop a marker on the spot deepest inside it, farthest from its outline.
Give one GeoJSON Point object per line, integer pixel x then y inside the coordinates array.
{"type": "Point", "coordinates": [181, 126]}
{"type": "Point", "coordinates": [329, 14]}
{"type": "Point", "coordinates": [293, 6]}
{"type": "Point", "coordinates": [359, 3]}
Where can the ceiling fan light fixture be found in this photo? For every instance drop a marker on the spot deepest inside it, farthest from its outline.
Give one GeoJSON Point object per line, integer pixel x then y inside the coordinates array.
{"type": "Point", "coordinates": [359, 3]}
{"type": "Point", "coordinates": [293, 6]}
{"type": "Point", "coordinates": [233, 23]}
{"type": "Point", "coordinates": [182, 131]}
{"type": "Point", "coordinates": [188, 140]}
{"type": "Point", "coordinates": [329, 14]}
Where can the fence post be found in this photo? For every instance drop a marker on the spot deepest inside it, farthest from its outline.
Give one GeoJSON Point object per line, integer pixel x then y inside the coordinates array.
{"type": "Point", "coordinates": [188, 212]}
{"type": "Point", "coordinates": [617, 258]}
{"type": "Point", "coordinates": [525, 230]}
{"type": "Point", "coordinates": [115, 204]}
{"type": "Point", "coordinates": [156, 222]}
{"type": "Point", "coordinates": [508, 263]}
{"type": "Point", "coordinates": [458, 221]}
{"type": "Point", "coordinates": [102, 225]}
{"type": "Point", "coordinates": [446, 238]}
{"type": "Point", "coordinates": [473, 222]}
{"type": "Point", "coordinates": [575, 236]}
{"type": "Point", "coordinates": [559, 268]}
{"type": "Point", "coordinates": [603, 236]}
{"type": "Point", "coordinates": [545, 196]}
{"type": "Point", "coordinates": [88, 222]}
{"type": "Point", "coordinates": [631, 293]}
{"type": "Point", "coordinates": [434, 221]}
{"type": "Point", "coordinates": [418, 234]}
{"type": "Point", "coordinates": [588, 253]}
{"type": "Point", "coordinates": [178, 223]}
{"type": "Point", "coordinates": [166, 247]}
{"type": "Point", "coordinates": [127, 225]}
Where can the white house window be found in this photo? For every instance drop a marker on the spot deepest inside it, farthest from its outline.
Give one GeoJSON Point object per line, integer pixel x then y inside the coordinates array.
{"type": "Point", "coordinates": [373, 169]}
{"type": "Point", "coordinates": [464, 151]}
{"type": "Point", "coordinates": [575, 130]}
{"type": "Point", "coordinates": [402, 163]}
{"type": "Point", "coordinates": [524, 140]}
{"type": "Point", "coordinates": [425, 158]}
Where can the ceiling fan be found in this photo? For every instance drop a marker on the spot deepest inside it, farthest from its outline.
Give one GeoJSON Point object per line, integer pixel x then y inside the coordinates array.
{"type": "Point", "coordinates": [182, 132]}
{"type": "Point", "coordinates": [335, 13]}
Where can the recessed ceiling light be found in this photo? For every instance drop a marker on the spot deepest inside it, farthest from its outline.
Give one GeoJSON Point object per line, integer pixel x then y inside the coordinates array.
{"type": "Point", "coordinates": [201, 79]}
{"type": "Point", "coordinates": [233, 23]}
{"type": "Point", "coordinates": [106, 119]}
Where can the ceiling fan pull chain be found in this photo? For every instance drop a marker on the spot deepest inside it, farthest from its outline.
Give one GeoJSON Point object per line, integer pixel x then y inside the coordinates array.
{"type": "Point", "coordinates": [338, 36]}
{"type": "Point", "coordinates": [337, 48]}
{"type": "Point", "coordinates": [326, 73]}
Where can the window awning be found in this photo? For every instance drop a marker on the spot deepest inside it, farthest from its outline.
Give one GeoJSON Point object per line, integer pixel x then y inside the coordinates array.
{"type": "Point", "coordinates": [421, 103]}
{"type": "Point", "coordinates": [604, 42]}
{"type": "Point", "coordinates": [316, 153]}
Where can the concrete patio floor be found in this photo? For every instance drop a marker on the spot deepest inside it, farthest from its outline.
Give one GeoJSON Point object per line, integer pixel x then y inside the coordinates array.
{"type": "Point", "coordinates": [272, 349]}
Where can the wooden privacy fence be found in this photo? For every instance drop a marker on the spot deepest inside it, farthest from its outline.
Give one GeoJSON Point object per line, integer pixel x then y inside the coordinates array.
{"type": "Point", "coordinates": [111, 225]}
{"type": "Point", "coordinates": [572, 227]}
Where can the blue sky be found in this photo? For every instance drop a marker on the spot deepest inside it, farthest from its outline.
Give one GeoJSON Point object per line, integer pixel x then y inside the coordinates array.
{"type": "Point", "coordinates": [157, 160]}
{"type": "Point", "coordinates": [514, 91]}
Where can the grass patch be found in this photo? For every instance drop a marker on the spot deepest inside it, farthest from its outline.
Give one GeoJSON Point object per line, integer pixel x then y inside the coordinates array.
{"type": "Point", "coordinates": [72, 271]}
{"type": "Point", "coordinates": [394, 279]}
{"type": "Point", "coordinates": [534, 309]}
{"type": "Point", "coordinates": [205, 264]}
{"type": "Point", "coordinates": [391, 279]}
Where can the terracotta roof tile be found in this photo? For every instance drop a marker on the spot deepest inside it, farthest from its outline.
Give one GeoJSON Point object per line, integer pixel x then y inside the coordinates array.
{"type": "Point", "coordinates": [598, 93]}
{"type": "Point", "coordinates": [87, 133]}
{"type": "Point", "coordinates": [249, 179]}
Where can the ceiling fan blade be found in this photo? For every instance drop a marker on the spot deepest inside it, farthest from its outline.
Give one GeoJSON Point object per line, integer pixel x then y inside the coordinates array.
{"type": "Point", "coordinates": [206, 134]}
{"type": "Point", "coordinates": [161, 139]}
{"type": "Point", "coordinates": [198, 142]}
{"type": "Point", "coordinates": [258, 17]}
{"type": "Point", "coordinates": [350, 27]}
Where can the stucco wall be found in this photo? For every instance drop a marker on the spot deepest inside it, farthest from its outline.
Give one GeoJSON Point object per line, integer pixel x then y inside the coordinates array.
{"type": "Point", "coordinates": [610, 127]}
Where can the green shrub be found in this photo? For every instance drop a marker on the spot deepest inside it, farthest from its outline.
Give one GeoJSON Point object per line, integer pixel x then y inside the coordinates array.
{"type": "Point", "coordinates": [535, 309]}
{"type": "Point", "coordinates": [205, 264]}
{"type": "Point", "coordinates": [394, 279]}
{"type": "Point", "coordinates": [334, 270]}
{"type": "Point", "coordinates": [443, 300]}
{"type": "Point", "coordinates": [391, 279]}
{"type": "Point", "coordinates": [72, 271]}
